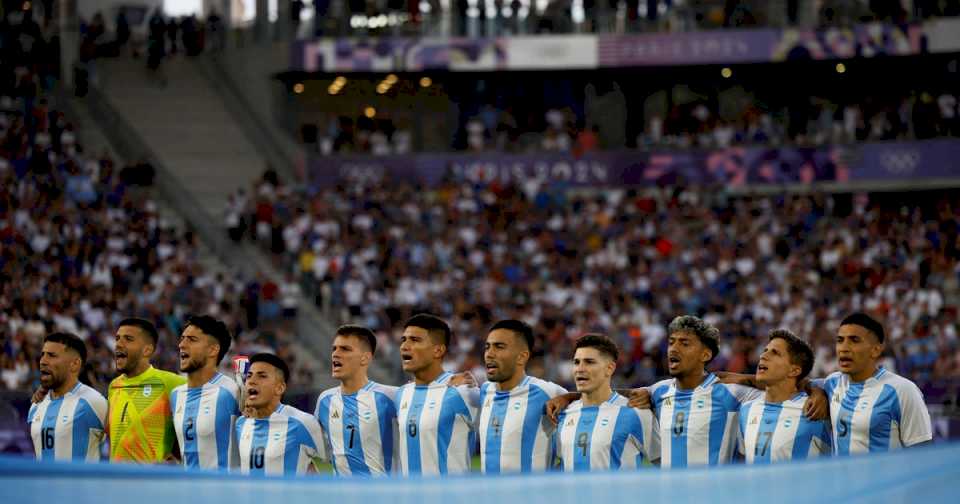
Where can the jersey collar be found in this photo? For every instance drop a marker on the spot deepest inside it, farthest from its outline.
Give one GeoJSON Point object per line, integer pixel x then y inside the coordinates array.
{"type": "Point", "coordinates": [69, 392]}
{"type": "Point", "coordinates": [443, 378]}
{"type": "Point", "coordinates": [876, 376]}
{"type": "Point", "coordinates": [613, 397]}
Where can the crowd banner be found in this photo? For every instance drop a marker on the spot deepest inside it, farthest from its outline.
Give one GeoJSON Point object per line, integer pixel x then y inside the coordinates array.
{"type": "Point", "coordinates": [926, 474]}
{"type": "Point", "coordinates": [734, 167]}
{"type": "Point", "coordinates": [564, 52]}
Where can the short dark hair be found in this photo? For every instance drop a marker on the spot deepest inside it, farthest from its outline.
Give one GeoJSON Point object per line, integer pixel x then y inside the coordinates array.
{"type": "Point", "coordinates": [705, 332]}
{"type": "Point", "coordinates": [71, 341]}
{"type": "Point", "coordinates": [144, 325]}
{"type": "Point", "coordinates": [215, 328]}
{"type": "Point", "coordinates": [800, 352]}
{"type": "Point", "coordinates": [363, 333]}
{"type": "Point", "coordinates": [867, 322]}
{"type": "Point", "coordinates": [274, 361]}
{"type": "Point", "coordinates": [435, 326]}
{"type": "Point", "coordinates": [601, 342]}
{"type": "Point", "coordinates": [519, 327]}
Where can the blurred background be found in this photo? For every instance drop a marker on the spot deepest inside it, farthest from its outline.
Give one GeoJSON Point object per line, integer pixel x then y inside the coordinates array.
{"type": "Point", "coordinates": [586, 166]}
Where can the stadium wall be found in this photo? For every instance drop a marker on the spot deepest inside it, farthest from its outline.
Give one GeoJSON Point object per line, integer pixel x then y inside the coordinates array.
{"type": "Point", "coordinates": [920, 475]}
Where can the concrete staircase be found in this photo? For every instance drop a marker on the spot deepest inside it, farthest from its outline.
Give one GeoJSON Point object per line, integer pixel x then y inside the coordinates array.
{"type": "Point", "coordinates": [184, 127]}
{"type": "Point", "coordinates": [202, 146]}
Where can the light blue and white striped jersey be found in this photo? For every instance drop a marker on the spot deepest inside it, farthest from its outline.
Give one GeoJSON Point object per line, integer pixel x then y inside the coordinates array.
{"type": "Point", "coordinates": [778, 432]}
{"type": "Point", "coordinates": [69, 427]}
{"type": "Point", "coordinates": [436, 425]}
{"type": "Point", "coordinates": [204, 418]}
{"type": "Point", "coordinates": [609, 436]}
{"type": "Point", "coordinates": [699, 426]}
{"type": "Point", "coordinates": [885, 412]}
{"type": "Point", "coordinates": [515, 433]}
{"type": "Point", "coordinates": [285, 443]}
{"type": "Point", "coordinates": [360, 429]}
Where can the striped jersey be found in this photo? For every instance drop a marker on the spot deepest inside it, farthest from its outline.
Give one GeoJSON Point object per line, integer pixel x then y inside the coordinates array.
{"type": "Point", "coordinates": [436, 425]}
{"type": "Point", "coordinates": [69, 427]}
{"type": "Point", "coordinates": [141, 419]}
{"type": "Point", "coordinates": [777, 432]}
{"type": "Point", "coordinates": [885, 412]}
{"type": "Point", "coordinates": [204, 419]}
{"type": "Point", "coordinates": [515, 433]}
{"type": "Point", "coordinates": [699, 426]}
{"type": "Point", "coordinates": [285, 443]}
{"type": "Point", "coordinates": [609, 436]}
{"type": "Point", "coordinates": [360, 429]}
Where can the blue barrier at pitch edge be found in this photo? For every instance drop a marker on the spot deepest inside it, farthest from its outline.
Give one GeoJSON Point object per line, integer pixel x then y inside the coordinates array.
{"type": "Point", "coordinates": [921, 475]}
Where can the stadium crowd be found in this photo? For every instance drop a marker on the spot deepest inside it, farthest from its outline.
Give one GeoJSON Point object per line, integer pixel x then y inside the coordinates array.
{"type": "Point", "coordinates": [690, 120]}
{"type": "Point", "coordinates": [83, 243]}
{"type": "Point", "coordinates": [622, 263]}
{"type": "Point", "coordinates": [503, 17]}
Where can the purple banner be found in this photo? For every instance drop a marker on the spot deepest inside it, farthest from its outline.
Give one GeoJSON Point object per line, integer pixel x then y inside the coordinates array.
{"type": "Point", "coordinates": [665, 49]}
{"type": "Point", "coordinates": [761, 45]}
{"type": "Point", "coordinates": [734, 167]}
{"type": "Point", "coordinates": [399, 54]}
{"type": "Point", "coordinates": [647, 49]}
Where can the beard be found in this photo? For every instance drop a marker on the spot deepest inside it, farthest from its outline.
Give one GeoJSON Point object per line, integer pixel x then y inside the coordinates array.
{"type": "Point", "coordinates": [501, 375]}
{"type": "Point", "coordinates": [52, 381]}
{"type": "Point", "coordinates": [192, 365]}
{"type": "Point", "coordinates": [131, 365]}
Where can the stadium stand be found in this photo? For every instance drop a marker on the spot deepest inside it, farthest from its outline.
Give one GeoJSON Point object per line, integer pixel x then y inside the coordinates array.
{"type": "Point", "coordinates": [749, 263]}
{"type": "Point", "coordinates": [85, 243]}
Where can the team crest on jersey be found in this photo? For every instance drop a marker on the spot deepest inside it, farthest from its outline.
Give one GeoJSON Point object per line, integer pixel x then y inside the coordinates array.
{"type": "Point", "coordinates": [487, 403]}
{"type": "Point", "coordinates": [206, 410]}
{"type": "Point", "coordinates": [147, 390]}
{"type": "Point", "coordinates": [516, 406]}
{"type": "Point", "coordinates": [604, 422]}
{"type": "Point", "coordinates": [276, 436]}
{"type": "Point", "coordinates": [433, 404]}
{"type": "Point", "coordinates": [864, 405]}
{"type": "Point", "coordinates": [65, 419]}
{"type": "Point", "coordinates": [836, 397]}
{"type": "Point", "coordinates": [367, 415]}
{"type": "Point", "coordinates": [668, 401]}
{"type": "Point", "coordinates": [753, 421]}
{"type": "Point", "coordinates": [701, 403]}
{"type": "Point", "coordinates": [335, 415]}
{"type": "Point", "coordinates": [787, 423]}
{"type": "Point", "coordinates": [403, 406]}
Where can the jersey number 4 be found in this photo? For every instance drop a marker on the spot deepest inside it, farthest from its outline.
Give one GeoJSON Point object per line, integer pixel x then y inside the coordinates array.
{"type": "Point", "coordinates": [583, 443]}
